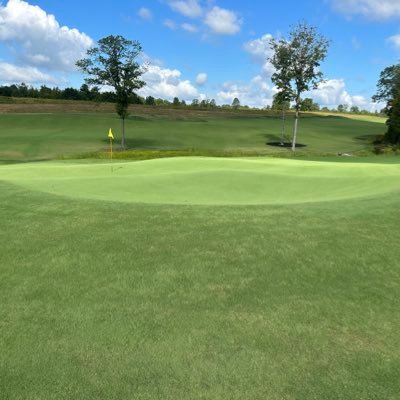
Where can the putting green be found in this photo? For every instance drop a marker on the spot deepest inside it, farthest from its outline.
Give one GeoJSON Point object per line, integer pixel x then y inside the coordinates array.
{"type": "Point", "coordinates": [208, 180]}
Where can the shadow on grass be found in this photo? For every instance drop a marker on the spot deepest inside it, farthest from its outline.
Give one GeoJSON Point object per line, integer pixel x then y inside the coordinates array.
{"type": "Point", "coordinates": [138, 118]}
{"type": "Point", "coordinates": [4, 161]}
{"type": "Point", "coordinates": [367, 138]}
{"type": "Point", "coordinates": [285, 144]}
{"type": "Point", "coordinates": [133, 143]}
{"type": "Point", "coordinates": [276, 141]}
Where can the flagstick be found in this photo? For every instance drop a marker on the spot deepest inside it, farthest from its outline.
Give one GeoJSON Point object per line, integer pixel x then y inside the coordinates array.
{"type": "Point", "coordinates": [111, 154]}
{"type": "Point", "coordinates": [111, 137]}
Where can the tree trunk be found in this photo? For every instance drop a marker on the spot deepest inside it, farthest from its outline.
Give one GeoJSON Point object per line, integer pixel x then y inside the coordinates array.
{"type": "Point", "coordinates": [123, 134]}
{"type": "Point", "coordinates": [296, 121]}
{"type": "Point", "coordinates": [283, 127]}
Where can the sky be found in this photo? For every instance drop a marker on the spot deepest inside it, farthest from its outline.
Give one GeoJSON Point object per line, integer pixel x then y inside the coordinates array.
{"type": "Point", "coordinates": [215, 49]}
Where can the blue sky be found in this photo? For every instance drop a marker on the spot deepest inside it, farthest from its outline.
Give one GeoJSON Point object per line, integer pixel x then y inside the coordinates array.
{"type": "Point", "coordinates": [202, 48]}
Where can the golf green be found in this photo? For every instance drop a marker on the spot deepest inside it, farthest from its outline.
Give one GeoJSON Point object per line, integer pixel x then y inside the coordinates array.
{"type": "Point", "coordinates": [211, 181]}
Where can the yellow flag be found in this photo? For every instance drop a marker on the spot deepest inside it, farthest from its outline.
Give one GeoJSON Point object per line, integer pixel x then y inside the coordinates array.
{"type": "Point", "coordinates": [110, 134]}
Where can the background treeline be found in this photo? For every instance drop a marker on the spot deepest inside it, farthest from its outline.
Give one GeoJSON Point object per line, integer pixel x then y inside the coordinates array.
{"type": "Point", "coordinates": [55, 93]}
{"type": "Point", "coordinates": [86, 93]}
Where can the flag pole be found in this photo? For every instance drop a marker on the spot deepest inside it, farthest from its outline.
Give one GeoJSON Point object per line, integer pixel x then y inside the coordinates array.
{"type": "Point", "coordinates": [111, 159]}
{"type": "Point", "coordinates": [111, 137]}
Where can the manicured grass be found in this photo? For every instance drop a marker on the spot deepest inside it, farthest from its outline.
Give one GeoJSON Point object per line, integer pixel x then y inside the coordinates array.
{"type": "Point", "coordinates": [197, 278]}
{"type": "Point", "coordinates": [122, 300]}
{"type": "Point", "coordinates": [46, 136]}
{"type": "Point", "coordinates": [211, 181]}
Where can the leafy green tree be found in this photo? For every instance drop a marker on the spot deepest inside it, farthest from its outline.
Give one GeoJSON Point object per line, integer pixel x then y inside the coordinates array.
{"type": "Point", "coordinates": [354, 110]}
{"type": "Point", "coordinates": [113, 63]}
{"type": "Point", "coordinates": [389, 92]}
{"type": "Point", "coordinates": [23, 90]}
{"type": "Point", "coordinates": [150, 101]}
{"type": "Point", "coordinates": [162, 102]}
{"type": "Point", "coordinates": [71, 94]}
{"type": "Point", "coordinates": [392, 135]}
{"type": "Point", "coordinates": [308, 104]}
{"type": "Point", "coordinates": [236, 103]}
{"type": "Point", "coordinates": [195, 103]}
{"type": "Point", "coordinates": [279, 103]}
{"type": "Point", "coordinates": [342, 108]}
{"type": "Point", "coordinates": [45, 92]}
{"type": "Point", "coordinates": [388, 85]}
{"type": "Point", "coordinates": [297, 63]}
{"type": "Point", "coordinates": [204, 103]}
{"type": "Point", "coordinates": [84, 92]}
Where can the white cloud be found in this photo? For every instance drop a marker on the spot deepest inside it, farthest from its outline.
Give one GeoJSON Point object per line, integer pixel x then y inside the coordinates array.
{"type": "Point", "coordinates": [201, 79]}
{"type": "Point", "coordinates": [170, 24]}
{"type": "Point", "coordinates": [188, 8]}
{"type": "Point", "coordinates": [333, 92]}
{"type": "Point", "coordinates": [371, 9]}
{"type": "Point", "coordinates": [38, 39]}
{"type": "Point", "coordinates": [219, 20]}
{"type": "Point", "coordinates": [167, 83]}
{"type": "Point", "coordinates": [145, 13]}
{"type": "Point", "coordinates": [189, 28]}
{"type": "Point", "coordinates": [10, 73]}
{"type": "Point", "coordinates": [260, 50]}
{"type": "Point", "coordinates": [222, 21]}
{"type": "Point", "coordinates": [257, 93]}
{"type": "Point", "coordinates": [394, 40]}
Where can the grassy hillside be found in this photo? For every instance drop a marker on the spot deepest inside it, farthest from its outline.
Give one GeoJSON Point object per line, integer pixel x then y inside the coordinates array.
{"type": "Point", "coordinates": [47, 135]}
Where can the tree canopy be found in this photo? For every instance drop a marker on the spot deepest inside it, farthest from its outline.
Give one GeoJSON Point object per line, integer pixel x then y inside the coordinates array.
{"type": "Point", "coordinates": [236, 103]}
{"type": "Point", "coordinates": [113, 63]}
{"type": "Point", "coordinates": [388, 84]}
{"type": "Point", "coordinates": [297, 61]}
{"type": "Point", "coordinates": [389, 92]}
{"type": "Point", "coordinates": [308, 104]}
{"type": "Point", "coordinates": [280, 102]}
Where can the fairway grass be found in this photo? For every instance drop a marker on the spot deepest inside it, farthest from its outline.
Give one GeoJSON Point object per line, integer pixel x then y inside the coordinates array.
{"type": "Point", "coordinates": [212, 181]}
{"type": "Point", "coordinates": [108, 292]}
{"type": "Point", "coordinates": [32, 137]}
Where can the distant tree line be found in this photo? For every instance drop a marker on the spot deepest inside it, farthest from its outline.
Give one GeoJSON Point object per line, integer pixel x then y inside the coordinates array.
{"type": "Point", "coordinates": [93, 93]}
{"type": "Point", "coordinates": [86, 93]}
